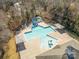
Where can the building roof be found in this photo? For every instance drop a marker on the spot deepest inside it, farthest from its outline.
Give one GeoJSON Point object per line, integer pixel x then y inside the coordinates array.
{"type": "Point", "coordinates": [59, 51]}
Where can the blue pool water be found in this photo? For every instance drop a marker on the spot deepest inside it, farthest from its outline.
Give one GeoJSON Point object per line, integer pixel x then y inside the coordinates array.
{"type": "Point", "coordinates": [42, 32]}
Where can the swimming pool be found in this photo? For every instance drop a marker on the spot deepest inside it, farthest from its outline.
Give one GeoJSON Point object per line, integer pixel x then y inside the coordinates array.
{"type": "Point", "coordinates": [42, 33]}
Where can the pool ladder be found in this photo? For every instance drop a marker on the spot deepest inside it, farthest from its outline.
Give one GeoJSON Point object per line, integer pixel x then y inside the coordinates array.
{"type": "Point", "coordinates": [50, 44]}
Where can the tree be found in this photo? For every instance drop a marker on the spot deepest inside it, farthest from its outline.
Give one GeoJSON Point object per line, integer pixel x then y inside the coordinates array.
{"type": "Point", "coordinates": [42, 4]}
{"type": "Point", "coordinates": [8, 4]}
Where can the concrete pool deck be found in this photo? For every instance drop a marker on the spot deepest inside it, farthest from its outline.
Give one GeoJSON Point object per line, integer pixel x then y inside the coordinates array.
{"type": "Point", "coordinates": [33, 47]}
{"type": "Point", "coordinates": [43, 24]}
{"type": "Point", "coordinates": [62, 38]}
